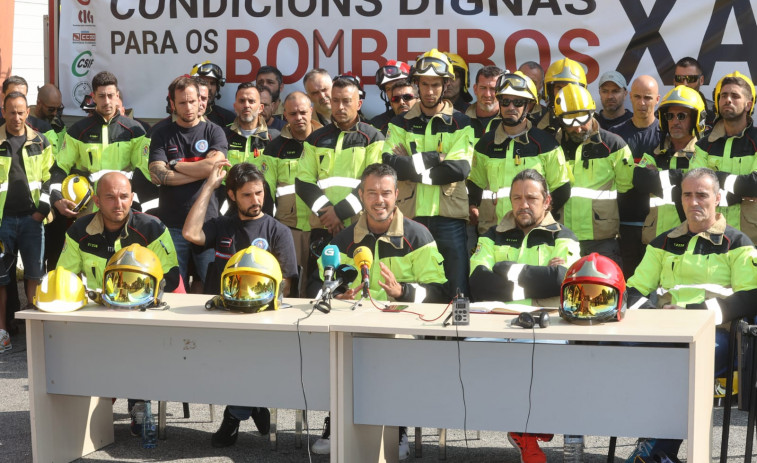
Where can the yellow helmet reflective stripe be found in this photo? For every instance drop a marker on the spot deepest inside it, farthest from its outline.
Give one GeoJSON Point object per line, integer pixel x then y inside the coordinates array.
{"type": "Point", "coordinates": [76, 188]}
{"type": "Point", "coordinates": [686, 97]}
{"type": "Point", "coordinates": [573, 99]}
{"type": "Point", "coordinates": [251, 281]}
{"type": "Point", "coordinates": [433, 63]}
{"type": "Point", "coordinates": [133, 278]}
{"type": "Point", "coordinates": [516, 84]}
{"type": "Point", "coordinates": [563, 70]}
{"type": "Point", "coordinates": [60, 291]}
{"type": "Point", "coordinates": [731, 77]}
{"type": "Point", "coordinates": [458, 62]}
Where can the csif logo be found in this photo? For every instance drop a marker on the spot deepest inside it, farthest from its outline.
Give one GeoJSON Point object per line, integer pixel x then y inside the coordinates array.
{"type": "Point", "coordinates": [82, 64]}
{"type": "Point", "coordinates": [85, 17]}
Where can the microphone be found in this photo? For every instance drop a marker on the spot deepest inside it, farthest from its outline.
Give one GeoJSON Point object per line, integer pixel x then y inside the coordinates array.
{"type": "Point", "coordinates": [330, 261]}
{"type": "Point", "coordinates": [363, 258]}
{"type": "Point", "coordinates": [345, 275]}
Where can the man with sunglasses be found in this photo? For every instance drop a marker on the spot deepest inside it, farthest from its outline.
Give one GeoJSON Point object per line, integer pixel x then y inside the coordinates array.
{"type": "Point", "coordinates": [404, 97]}
{"type": "Point", "coordinates": [430, 148]}
{"type": "Point", "coordinates": [601, 166]}
{"type": "Point", "coordinates": [689, 73]}
{"type": "Point", "coordinates": [515, 145]}
{"type": "Point", "coordinates": [387, 76]}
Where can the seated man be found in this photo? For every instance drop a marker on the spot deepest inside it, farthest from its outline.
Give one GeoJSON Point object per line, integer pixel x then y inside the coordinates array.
{"type": "Point", "coordinates": [525, 256]}
{"type": "Point", "coordinates": [229, 234]}
{"type": "Point", "coordinates": [407, 265]}
{"type": "Point", "coordinates": [701, 264]}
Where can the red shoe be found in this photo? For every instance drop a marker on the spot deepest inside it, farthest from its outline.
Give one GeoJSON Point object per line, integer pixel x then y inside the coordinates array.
{"type": "Point", "coordinates": [528, 447]}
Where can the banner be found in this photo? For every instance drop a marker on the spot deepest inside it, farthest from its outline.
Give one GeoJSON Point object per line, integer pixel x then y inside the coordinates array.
{"type": "Point", "coordinates": [147, 43]}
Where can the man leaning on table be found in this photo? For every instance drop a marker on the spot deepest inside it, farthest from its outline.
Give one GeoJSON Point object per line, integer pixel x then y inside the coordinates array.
{"type": "Point", "coordinates": [701, 264]}
{"type": "Point", "coordinates": [406, 266]}
{"type": "Point", "coordinates": [525, 256]}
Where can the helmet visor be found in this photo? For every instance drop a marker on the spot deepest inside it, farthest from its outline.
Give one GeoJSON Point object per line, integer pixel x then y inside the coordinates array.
{"type": "Point", "coordinates": [590, 301]}
{"type": "Point", "coordinates": [513, 81]}
{"type": "Point", "coordinates": [575, 119]}
{"type": "Point", "coordinates": [248, 288]}
{"type": "Point", "coordinates": [440, 68]}
{"type": "Point", "coordinates": [206, 69]}
{"type": "Point", "coordinates": [392, 72]}
{"type": "Point", "coordinates": [127, 288]}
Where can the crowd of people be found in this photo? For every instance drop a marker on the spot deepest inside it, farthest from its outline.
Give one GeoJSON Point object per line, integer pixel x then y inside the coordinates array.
{"type": "Point", "coordinates": [493, 199]}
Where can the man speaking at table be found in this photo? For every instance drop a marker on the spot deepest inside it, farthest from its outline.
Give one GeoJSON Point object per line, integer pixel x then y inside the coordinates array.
{"type": "Point", "coordinates": [701, 264]}
{"type": "Point", "coordinates": [407, 265]}
{"type": "Point", "coordinates": [525, 256]}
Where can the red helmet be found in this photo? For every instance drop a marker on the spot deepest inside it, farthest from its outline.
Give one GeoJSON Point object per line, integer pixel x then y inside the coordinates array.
{"type": "Point", "coordinates": [391, 71]}
{"type": "Point", "coordinates": [593, 291]}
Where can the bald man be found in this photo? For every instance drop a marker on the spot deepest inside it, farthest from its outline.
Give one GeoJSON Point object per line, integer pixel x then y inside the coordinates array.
{"type": "Point", "coordinates": [642, 133]}
{"type": "Point", "coordinates": [49, 106]}
{"type": "Point", "coordinates": [94, 238]}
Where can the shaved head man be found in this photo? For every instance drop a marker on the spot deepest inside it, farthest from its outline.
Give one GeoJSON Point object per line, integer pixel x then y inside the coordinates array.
{"type": "Point", "coordinates": [49, 102]}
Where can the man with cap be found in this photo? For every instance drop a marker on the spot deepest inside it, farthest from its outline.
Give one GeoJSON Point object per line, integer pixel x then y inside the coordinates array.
{"type": "Point", "coordinates": [612, 95]}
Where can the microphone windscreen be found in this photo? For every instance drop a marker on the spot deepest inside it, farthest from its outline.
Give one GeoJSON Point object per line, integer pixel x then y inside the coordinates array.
{"type": "Point", "coordinates": [330, 256]}
{"type": "Point", "coordinates": [346, 273]}
{"type": "Point", "coordinates": [363, 256]}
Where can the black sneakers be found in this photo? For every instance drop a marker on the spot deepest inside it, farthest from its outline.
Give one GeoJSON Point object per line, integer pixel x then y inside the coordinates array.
{"type": "Point", "coordinates": [228, 432]}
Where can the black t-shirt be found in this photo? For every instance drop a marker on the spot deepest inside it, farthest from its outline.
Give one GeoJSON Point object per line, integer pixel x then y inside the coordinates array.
{"type": "Point", "coordinates": [228, 235]}
{"type": "Point", "coordinates": [173, 142]}
{"type": "Point", "coordinates": [18, 201]}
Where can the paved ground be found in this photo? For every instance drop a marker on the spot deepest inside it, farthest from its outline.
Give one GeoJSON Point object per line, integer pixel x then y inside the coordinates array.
{"type": "Point", "coordinates": [189, 439]}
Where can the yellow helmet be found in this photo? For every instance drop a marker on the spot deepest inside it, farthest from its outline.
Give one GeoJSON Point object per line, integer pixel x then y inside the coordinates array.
{"type": "Point", "coordinates": [250, 282]}
{"type": "Point", "coordinates": [686, 97]}
{"type": "Point", "coordinates": [516, 84]}
{"type": "Point", "coordinates": [434, 64]}
{"type": "Point", "coordinates": [77, 188]}
{"type": "Point", "coordinates": [458, 63]}
{"type": "Point", "coordinates": [733, 75]}
{"type": "Point", "coordinates": [60, 291]}
{"type": "Point", "coordinates": [574, 105]}
{"type": "Point", "coordinates": [563, 70]}
{"type": "Point", "coordinates": [133, 279]}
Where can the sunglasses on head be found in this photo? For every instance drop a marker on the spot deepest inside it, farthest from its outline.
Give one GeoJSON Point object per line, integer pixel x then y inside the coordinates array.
{"type": "Point", "coordinates": [679, 116]}
{"type": "Point", "coordinates": [406, 97]}
{"type": "Point", "coordinates": [689, 79]}
{"type": "Point", "coordinates": [505, 102]}
{"type": "Point", "coordinates": [576, 119]}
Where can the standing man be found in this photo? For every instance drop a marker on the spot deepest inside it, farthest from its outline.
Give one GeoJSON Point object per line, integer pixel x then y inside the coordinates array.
{"type": "Point", "coordinates": [333, 157]}
{"type": "Point", "coordinates": [457, 91]}
{"type": "Point", "coordinates": [39, 125]}
{"type": "Point", "coordinates": [430, 148]}
{"type": "Point", "coordinates": [559, 74]}
{"type": "Point", "coordinates": [212, 74]}
{"type": "Point", "coordinates": [702, 264]}
{"type": "Point", "coordinates": [387, 76]}
{"type": "Point", "coordinates": [49, 108]}
{"type": "Point", "coordinates": [642, 134]}
{"type": "Point", "coordinates": [26, 158]}
{"type": "Point", "coordinates": [182, 154]}
{"type": "Point", "coordinates": [602, 167]}
{"type": "Point", "coordinates": [318, 85]}
{"type": "Point", "coordinates": [612, 95]}
{"type": "Point", "coordinates": [484, 112]}
{"type": "Point", "coordinates": [270, 78]}
{"type": "Point", "coordinates": [689, 73]}
{"type": "Point", "coordinates": [270, 119]}
{"type": "Point", "coordinates": [104, 142]}
{"type": "Point", "coordinates": [535, 72]}
{"type": "Point", "coordinates": [285, 152]}
{"type": "Point", "coordinates": [730, 151]}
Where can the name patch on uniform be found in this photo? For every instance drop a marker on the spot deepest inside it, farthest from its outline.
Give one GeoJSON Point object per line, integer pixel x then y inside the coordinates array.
{"type": "Point", "coordinates": [260, 243]}
{"type": "Point", "coordinates": [201, 146]}
{"type": "Point", "coordinates": [225, 242]}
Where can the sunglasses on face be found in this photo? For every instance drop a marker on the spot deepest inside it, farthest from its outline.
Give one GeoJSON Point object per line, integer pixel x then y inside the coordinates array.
{"type": "Point", "coordinates": [576, 120]}
{"type": "Point", "coordinates": [505, 102]}
{"type": "Point", "coordinates": [679, 116]}
{"type": "Point", "coordinates": [407, 97]}
{"type": "Point", "coordinates": [687, 79]}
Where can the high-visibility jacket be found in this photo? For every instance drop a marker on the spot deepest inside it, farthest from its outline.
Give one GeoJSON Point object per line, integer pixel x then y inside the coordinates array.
{"type": "Point", "coordinates": [509, 265]}
{"type": "Point", "coordinates": [86, 250]}
{"type": "Point", "coordinates": [657, 183]}
{"type": "Point", "coordinates": [94, 147]}
{"type": "Point", "coordinates": [407, 248]}
{"type": "Point", "coordinates": [432, 177]}
{"type": "Point", "coordinates": [602, 167]}
{"type": "Point", "coordinates": [332, 162]}
{"type": "Point", "coordinates": [285, 152]}
{"type": "Point", "coordinates": [487, 214]}
{"type": "Point", "coordinates": [37, 154]}
{"type": "Point", "coordinates": [250, 149]}
{"type": "Point", "coordinates": [734, 158]}
{"type": "Point", "coordinates": [714, 269]}
{"type": "Point", "coordinates": [499, 158]}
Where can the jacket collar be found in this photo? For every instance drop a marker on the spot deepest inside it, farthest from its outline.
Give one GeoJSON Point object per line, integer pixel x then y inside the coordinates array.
{"type": "Point", "coordinates": [286, 132]}
{"type": "Point", "coordinates": [393, 236]}
{"type": "Point", "coordinates": [714, 234]}
{"type": "Point", "coordinates": [594, 137]}
{"type": "Point", "coordinates": [31, 135]}
{"type": "Point", "coordinates": [718, 130]}
{"type": "Point", "coordinates": [97, 225]}
{"type": "Point", "coordinates": [686, 152]}
{"type": "Point", "coordinates": [508, 223]}
{"type": "Point", "coordinates": [500, 136]}
{"type": "Point", "coordinates": [261, 132]}
{"type": "Point", "coordinates": [445, 114]}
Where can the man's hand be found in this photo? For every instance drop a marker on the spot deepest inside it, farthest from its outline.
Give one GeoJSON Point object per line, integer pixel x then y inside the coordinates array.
{"type": "Point", "coordinates": [672, 307]}
{"type": "Point", "coordinates": [556, 261]}
{"type": "Point", "coordinates": [38, 216]}
{"type": "Point", "coordinates": [400, 150]}
{"type": "Point", "coordinates": [473, 214]}
{"type": "Point", "coordinates": [329, 219]}
{"type": "Point", "coordinates": [349, 294]}
{"type": "Point", "coordinates": [217, 173]}
{"type": "Point", "coordinates": [392, 287]}
{"type": "Point", "coordinates": [65, 207]}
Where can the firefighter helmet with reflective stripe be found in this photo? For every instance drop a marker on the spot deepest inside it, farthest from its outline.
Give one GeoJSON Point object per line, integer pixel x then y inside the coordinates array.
{"type": "Point", "coordinates": [574, 104]}
{"type": "Point", "coordinates": [564, 70]}
{"type": "Point", "coordinates": [76, 188]}
{"type": "Point", "coordinates": [250, 282]}
{"type": "Point", "coordinates": [719, 86]}
{"type": "Point", "coordinates": [60, 291]}
{"type": "Point", "coordinates": [433, 63]}
{"type": "Point", "coordinates": [133, 279]}
{"type": "Point", "coordinates": [593, 291]}
{"type": "Point", "coordinates": [687, 98]}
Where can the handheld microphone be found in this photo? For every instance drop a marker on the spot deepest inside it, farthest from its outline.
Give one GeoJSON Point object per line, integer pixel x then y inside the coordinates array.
{"type": "Point", "coordinates": [364, 259]}
{"type": "Point", "coordinates": [330, 261]}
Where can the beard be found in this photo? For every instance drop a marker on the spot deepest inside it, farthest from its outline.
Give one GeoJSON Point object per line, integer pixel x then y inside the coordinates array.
{"type": "Point", "coordinates": [251, 212]}
{"type": "Point", "coordinates": [577, 137]}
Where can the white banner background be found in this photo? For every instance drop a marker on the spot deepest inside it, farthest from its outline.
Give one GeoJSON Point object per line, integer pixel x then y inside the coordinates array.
{"type": "Point", "coordinates": [147, 43]}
